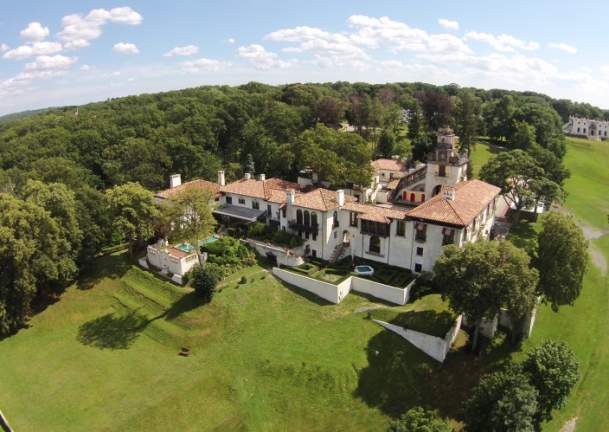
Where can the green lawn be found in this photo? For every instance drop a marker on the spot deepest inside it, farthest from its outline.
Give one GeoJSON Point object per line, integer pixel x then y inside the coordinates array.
{"type": "Point", "coordinates": [264, 356]}
{"type": "Point", "coordinates": [482, 152]}
{"type": "Point", "coordinates": [585, 327]}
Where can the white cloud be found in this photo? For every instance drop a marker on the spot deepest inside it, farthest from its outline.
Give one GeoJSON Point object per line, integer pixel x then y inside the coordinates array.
{"type": "Point", "coordinates": [231, 40]}
{"type": "Point", "coordinates": [86, 67]}
{"type": "Point", "coordinates": [449, 24]}
{"type": "Point", "coordinates": [503, 42]}
{"type": "Point", "coordinates": [3, 47]}
{"type": "Point", "coordinates": [260, 58]}
{"type": "Point", "coordinates": [34, 49]}
{"type": "Point", "coordinates": [51, 62]}
{"type": "Point", "coordinates": [77, 30]}
{"type": "Point", "coordinates": [187, 50]}
{"type": "Point", "coordinates": [35, 32]}
{"type": "Point", "coordinates": [203, 65]}
{"type": "Point", "coordinates": [570, 49]}
{"type": "Point", "coordinates": [125, 48]}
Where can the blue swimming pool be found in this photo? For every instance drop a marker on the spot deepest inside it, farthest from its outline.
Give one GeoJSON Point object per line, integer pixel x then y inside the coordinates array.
{"type": "Point", "coordinates": [186, 247]}
{"type": "Point", "coordinates": [364, 270]}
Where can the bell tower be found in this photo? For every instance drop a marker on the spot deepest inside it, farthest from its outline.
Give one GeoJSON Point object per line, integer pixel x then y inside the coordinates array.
{"type": "Point", "coordinates": [445, 166]}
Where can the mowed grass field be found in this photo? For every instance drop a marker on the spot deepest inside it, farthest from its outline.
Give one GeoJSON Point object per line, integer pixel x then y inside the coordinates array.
{"type": "Point", "coordinates": [585, 326]}
{"type": "Point", "coordinates": [264, 357]}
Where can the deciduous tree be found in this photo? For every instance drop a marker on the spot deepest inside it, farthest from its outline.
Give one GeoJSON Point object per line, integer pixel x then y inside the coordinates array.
{"type": "Point", "coordinates": [561, 259]}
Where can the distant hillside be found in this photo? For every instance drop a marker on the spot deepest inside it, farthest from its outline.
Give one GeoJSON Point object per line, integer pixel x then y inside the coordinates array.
{"type": "Point", "coordinates": [19, 115]}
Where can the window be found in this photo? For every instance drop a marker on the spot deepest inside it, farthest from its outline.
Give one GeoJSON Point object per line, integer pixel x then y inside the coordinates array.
{"type": "Point", "coordinates": [241, 201]}
{"type": "Point", "coordinates": [442, 171]}
{"type": "Point", "coordinates": [229, 200]}
{"type": "Point", "coordinates": [400, 228]}
{"type": "Point", "coordinates": [375, 245]}
{"type": "Point", "coordinates": [314, 219]}
{"type": "Point", "coordinates": [299, 217]}
{"type": "Point", "coordinates": [255, 205]}
{"type": "Point", "coordinates": [353, 219]}
{"type": "Point", "coordinates": [284, 211]}
{"type": "Point", "coordinates": [420, 251]}
{"type": "Point", "coordinates": [413, 197]}
{"type": "Point", "coordinates": [335, 220]}
{"type": "Point", "coordinates": [417, 268]}
{"type": "Point", "coordinates": [314, 253]}
{"type": "Point", "coordinates": [307, 218]}
{"type": "Point", "coordinates": [269, 210]}
{"type": "Point", "coordinates": [448, 236]}
{"type": "Point", "coordinates": [421, 232]}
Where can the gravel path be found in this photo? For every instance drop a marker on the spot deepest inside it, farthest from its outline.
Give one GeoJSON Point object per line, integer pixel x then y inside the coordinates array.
{"type": "Point", "coordinates": [569, 426]}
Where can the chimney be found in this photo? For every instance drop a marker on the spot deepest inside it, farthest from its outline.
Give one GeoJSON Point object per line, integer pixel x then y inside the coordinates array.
{"type": "Point", "coordinates": [247, 176]}
{"type": "Point", "coordinates": [450, 193]}
{"type": "Point", "coordinates": [290, 196]}
{"type": "Point", "coordinates": [262, 177]}
{"type": "Point", "coordinates": [175, 180]}
{"type": "Point", "coordinates": [340, 197]}
{"type": "Point", "coordinates": [221, 178]}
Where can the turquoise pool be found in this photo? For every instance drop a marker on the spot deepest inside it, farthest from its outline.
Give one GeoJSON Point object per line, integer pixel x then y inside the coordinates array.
{"type": "Point", "coordinates": [186, 247]}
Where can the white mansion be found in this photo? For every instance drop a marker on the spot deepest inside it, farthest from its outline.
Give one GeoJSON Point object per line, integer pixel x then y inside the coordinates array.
{"type": "Point", "coordinates": [591, 129]}
{"type": "Point", "coordinates": [403, 218]}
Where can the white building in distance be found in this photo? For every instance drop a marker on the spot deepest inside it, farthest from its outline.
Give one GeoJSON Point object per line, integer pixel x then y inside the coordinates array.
{"type": "Point", "coordinates": [589, 128]}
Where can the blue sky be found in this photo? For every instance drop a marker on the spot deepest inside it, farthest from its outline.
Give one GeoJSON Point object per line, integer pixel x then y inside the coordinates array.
{"type": "Point", "coordinates": [67, 52]}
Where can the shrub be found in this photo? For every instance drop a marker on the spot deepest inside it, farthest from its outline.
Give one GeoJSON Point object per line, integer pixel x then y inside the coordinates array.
{"type": "Point", "coordinates": [188, 275]}
{"type": "Point", "coordinates": [418, 419]}
{"type": "Point", "coordinates": [204, 284]}
{"type": "Point", "coordinates": [243, 280]}
{"type": "Point", "coordinates": [218, 271]}
{"type": "Point", "coordinates": [230, 252]}
{"type": "Point", "coordinates": [257, 230]}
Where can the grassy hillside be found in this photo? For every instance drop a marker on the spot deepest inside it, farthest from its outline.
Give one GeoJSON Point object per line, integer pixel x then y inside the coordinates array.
{"type": "Point", "coordinates": [105, 357]}
{"type": "Point", "coordinates": [585, 327]}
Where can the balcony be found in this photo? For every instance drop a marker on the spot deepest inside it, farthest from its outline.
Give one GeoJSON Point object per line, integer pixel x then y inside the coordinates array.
{"type": "Point", "coordinates": [375, 229]}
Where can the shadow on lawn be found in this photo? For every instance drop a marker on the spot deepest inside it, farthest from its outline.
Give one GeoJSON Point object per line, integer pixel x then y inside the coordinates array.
{"type": "Point", "coordinates": [109, 266]}
{"type": "Point", "coordinates": [113, 331]}
{"type": "Point", "coordinates": [119, 331]}
{"type": "Point", "coordinates": [399, 376]}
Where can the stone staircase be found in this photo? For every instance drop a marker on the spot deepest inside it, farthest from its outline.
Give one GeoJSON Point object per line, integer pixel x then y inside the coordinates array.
{"type": "Point", "coordinates": [338, 252]}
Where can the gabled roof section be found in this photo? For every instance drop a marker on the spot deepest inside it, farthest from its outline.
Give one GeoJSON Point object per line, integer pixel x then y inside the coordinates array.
{"type": "Point", "coordinates": [320, 199]}
{"type": "Point", "coordinates": [263, 189]}
{"type": "Point", "coordinates": [389, 165]}
{"type": "Point", "coordinates": [198, 184]}
{"type": "Point", "coordinates": [376, 213]}
{"type": "Point", "coordinates": [471, 197]}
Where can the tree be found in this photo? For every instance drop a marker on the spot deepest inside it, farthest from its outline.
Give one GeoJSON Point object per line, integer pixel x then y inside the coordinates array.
{"type": "Point", "coordinates": [419, 419]}
{"type": "Point", "coordinates": [415, 127]}
{"type": "Point", "coordinates": [437, 108]}
{"type": "Point", "coordinates": [481, 278]}
{"type": "Point", "coordinates": [204, 284]}
{"type": "Point", "coordinates": [553, 370]}
{"type": "Point", "coordinates": [133, 212]}
{"type": "Point", "coordinates": [498, 115]}
{"type": "Point", "coordinates": [467, 119]}
{"type": "Point", "coordinates": [191, 216]}
{"type": "Point", "coordinates": [517, 174]}
{"type": "Point", "coordinates": [32, 254]}
{"type": "Point", "coordinates": [561, 259]}
{"type": "Point", "coordinates": [503, 401]}
{"type": "Point", "coordinates": [335, 156]}
{"type": "Point", "coordinates": [386, 144]}
{"type": "Point", "coordinates": [523, 137]}
{"type": "Point", "coordinates": [330, 111]}
{"type": "Point", "coordinates": [421, 145]}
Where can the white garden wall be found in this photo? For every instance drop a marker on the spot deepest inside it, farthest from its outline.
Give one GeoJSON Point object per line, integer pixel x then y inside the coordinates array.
{"type": "Point", "coordinates": [435, 347]}
{"type": "Point", "coordinates": [386, 292]}
{"type": "Point", "coordinates": [335, 293]}
{"type": "Point", "coordinates": [285, 257]}
{"type": "Point", "coordinates": [332, 293]}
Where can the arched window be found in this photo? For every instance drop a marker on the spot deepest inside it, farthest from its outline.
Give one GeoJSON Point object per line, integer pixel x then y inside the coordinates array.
{"type": "Point", "coordinates": [299, 217]}
{"type": "Point", "coordinates": [313, 219]}
{"type": "Point", "coordinates": [412, 197]}
{"type": "Point", "coordinates": [375, 245]}
{"type": "Point", "coordinates": [307, 218]}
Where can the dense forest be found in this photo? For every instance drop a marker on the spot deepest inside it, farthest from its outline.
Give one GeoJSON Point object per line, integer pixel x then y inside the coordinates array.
{"type": "Point", "coordinates": [55, 166]}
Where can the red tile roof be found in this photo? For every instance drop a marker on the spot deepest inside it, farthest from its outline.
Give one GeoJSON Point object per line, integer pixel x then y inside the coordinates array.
{"type": "Point", "coordinates": [263, 189]}
{"type": "Point", "coordinates": [376, 213]}
{"type": "Point", "coordinates": [471, 197]}
{"type": "Point", "coordinates": [178, 253]}
{"type": "Point", "coordinates": [319, 199]}
{"type": "Point", "coordinates": [389, 165]}
{"type": "Point", "coordinates": [199, 184]}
